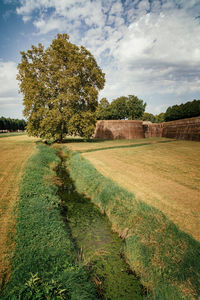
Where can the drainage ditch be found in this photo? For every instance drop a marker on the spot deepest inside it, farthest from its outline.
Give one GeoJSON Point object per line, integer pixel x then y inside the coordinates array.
{"type": "Point", "coordinates": [98, 248]}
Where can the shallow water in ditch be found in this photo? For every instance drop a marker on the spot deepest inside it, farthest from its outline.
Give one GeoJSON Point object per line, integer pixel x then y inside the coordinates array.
{"type": "Point", "coordinates": [97, 246]}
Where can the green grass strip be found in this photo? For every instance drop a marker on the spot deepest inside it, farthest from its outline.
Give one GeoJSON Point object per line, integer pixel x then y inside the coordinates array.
{"type": "Point", "coordinates": [166, 258]}
{"type": "Point", "coordinates": [44, 261]}
{"type": "Point", "coordinates": [2, 135]}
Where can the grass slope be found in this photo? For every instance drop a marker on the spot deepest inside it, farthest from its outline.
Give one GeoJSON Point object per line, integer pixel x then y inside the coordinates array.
{"type": "Point", "coordinates": [166, 258]}
{"type": "Point", "coordinates": [14, 152]}
{"type": "Point", "coordinates": [164, 175]}
{"type": "Point", "coordinates": [44, 261]}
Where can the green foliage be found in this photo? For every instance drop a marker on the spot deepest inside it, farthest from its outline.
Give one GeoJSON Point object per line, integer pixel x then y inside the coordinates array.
{"type": "Point", "coordinates": [35, 289]}
{"type": "Point", "coordinates": [154, 118]}
{"type": "Point", "coordinates": [164, 256]}
{"type": "Point", "coordinates": [82, 124]}
{"type": "Point", "coordinates": [103, 111]}
{"type": "Point", "coordinates": [121, 108]}
{"type": "Point", "coordinates": [12, 124]}
{"type": "Point", "coordinates": [135, 107]}
{"type": "Point", "coordinates": [59, 84]}
{"type": "Point", "coordinates": [160, 118]}
{"type": "Point", "coordinates": [44, 261]}
{"type": "Point", "coordinates": [149, 117]}
{"type": "Point", "coordinates": [187, 110]}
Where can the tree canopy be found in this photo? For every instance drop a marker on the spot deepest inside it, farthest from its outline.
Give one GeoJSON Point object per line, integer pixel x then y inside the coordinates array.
{"type": "Point", "coordinates": [187, 110]}
{"type": "Point", "coordinates": [121, 108]}
{"type": "Point", "coordinates": [153, 118]}
{"type": "Point", "coordinates": [160, 117]}
{"type": "Point", "coordinates": [103, 111]}
{"type": "Point", "coordinates": [135, 107]}
{"type": "Point", "coordinates": [148, 117]}
{"type": "Point", "coordinates": [60, 85]}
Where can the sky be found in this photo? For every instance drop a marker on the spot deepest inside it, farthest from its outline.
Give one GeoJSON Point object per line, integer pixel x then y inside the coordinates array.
{"type": "Point", "coordinates": [147, 48]}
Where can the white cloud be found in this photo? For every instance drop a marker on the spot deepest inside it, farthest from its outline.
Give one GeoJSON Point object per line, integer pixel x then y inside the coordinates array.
{"type": "Point", "coordinates": [161, 53]}
{"type": "Point", "coordinates": [163, 38]}
{"type": "Point", "coordinates": [9, 97]}
{"type": "Point", "coordinates": [145, 48]}
{"type": "Point", "coordinates": [26, 18]}
{"type": "Point", "coordinates": [28, 6]}
{"type": "Point", "coordinates": [45, 26]}
{"type": "Point", "coordinates": [8, 83]}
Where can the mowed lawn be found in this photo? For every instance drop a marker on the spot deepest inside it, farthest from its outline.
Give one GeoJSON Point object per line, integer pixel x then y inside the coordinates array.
{"type": "Point", "coordinates": [14, 151]}
{"type": "Point", "coordinates": [162, 172]}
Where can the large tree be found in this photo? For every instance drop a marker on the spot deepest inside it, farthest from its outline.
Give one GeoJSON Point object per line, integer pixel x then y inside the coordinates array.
{"type": "Point", "coordinates": [135, 107]}
{"type": "Point", "coordinates": [130, 108]}
{"type": "Point", "coordinates": [121, 108]}
{"type": "Point", "coordinates": [60, 85]}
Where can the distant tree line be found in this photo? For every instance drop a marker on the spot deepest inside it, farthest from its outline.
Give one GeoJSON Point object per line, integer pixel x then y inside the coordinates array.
{"type": "Point", "coordinates": [132, 108]}
{"type": "Point", "coordinates": [187, 110]}
{"type": "Point", "coordinates": [12, 124]}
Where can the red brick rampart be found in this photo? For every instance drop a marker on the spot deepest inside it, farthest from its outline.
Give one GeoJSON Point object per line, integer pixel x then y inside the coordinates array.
{"type": "Point", "coordinates": [185, 129]}
{"type": "Point", "coordinates": [119, 129]}
{"type": "Point", "coordinates": [152, 129]}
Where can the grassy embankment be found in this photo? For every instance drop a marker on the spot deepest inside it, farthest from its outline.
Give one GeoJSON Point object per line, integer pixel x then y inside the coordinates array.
{"type": "Point", "coordinates": [165, 175]}
{"type": "Point", "coordinates": [14, 152]}
{"type": "Point", "coordinates": [44, 261]}
{"type": "Point", "coordinates": [165, 257]}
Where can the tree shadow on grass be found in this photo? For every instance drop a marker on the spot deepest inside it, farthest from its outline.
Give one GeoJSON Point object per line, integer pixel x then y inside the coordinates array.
{"type": "Point", "coordinates": [82, 140]}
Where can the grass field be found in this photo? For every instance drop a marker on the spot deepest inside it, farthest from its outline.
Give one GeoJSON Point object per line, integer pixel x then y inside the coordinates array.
{"type": "Point", "coordinates": [14, 152]}
{"type": "Point", "coordinates": [164, 256]}
{"type": "Point", "coordinates": [161, 172]}
{"type": "Point", "coordinates": [8, 134]}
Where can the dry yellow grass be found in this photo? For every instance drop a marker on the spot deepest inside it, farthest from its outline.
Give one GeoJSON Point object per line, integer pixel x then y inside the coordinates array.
{"type": "Point", "coordinates": [165, 175]}
{"type": "Point", "coordinates": [14, 152]}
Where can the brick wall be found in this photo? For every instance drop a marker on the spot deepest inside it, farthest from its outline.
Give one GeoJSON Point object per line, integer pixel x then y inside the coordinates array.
{"type": "Point", "coordinates": [185, 129]}
{"type": "Point", "coordinates": [152, 129]}
{"type": "Point", "coordinates": [119, 129]}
